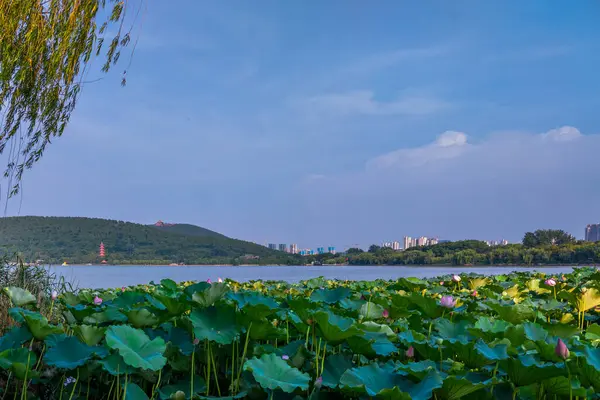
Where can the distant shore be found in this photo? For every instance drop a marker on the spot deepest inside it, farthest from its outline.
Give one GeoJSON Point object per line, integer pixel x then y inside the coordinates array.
{"type": "Point", "coordinates": [332, 265]}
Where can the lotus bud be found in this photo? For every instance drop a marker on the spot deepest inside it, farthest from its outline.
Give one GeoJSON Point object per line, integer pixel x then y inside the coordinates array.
{"type": "Point", "coordinates": [54, 295]}
{"type": "Point", "coordinates": [561, 350]}
{"type": "Point", "coordinates": [447, 302]}
{"type": "Point", "coordinates": [550, 282]}
{"type": "Point", "coordinates": [97, 300]}
{"type": "Point", "coordinates": [410, 353]}
{"type": "Point", "coordinates": [456, 278]}
{"type": "Point", "coordinates": [285, 357]}
{"type": "Point", "coordinates": [439, 341]}
{"type": "Point", "coordinates": [208, 280]}
{"type": "Point", "coordinates": [474, 294]}
{"type": "Point", "coordinates": [123, 288]}
{"type": "Point", "coordinates": [442, 283]}
{"type": "Point", "coordinates": [178, 395]}
{"type": "Point", "coordinates": [220, 280]}
{"type": "Point", "coordinates": [319, 382]}
{"type": "Point", "coordinates": [385, 314]}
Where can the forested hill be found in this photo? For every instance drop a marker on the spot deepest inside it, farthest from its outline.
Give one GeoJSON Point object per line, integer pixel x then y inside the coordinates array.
{"type": "Point", "coordinates": [187, 229]}
{"type": "Point", "coordinates": [77, 240]}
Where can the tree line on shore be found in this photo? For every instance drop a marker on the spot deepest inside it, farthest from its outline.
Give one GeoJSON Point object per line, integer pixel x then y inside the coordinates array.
{"type": "Point", "coordinates": [542, 247]}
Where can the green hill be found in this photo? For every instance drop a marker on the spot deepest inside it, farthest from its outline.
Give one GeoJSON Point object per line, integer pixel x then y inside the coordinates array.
{"type": "Point", "coordinates": [77, 240]}
{"type": "Point", "coordinates": [186, 229]}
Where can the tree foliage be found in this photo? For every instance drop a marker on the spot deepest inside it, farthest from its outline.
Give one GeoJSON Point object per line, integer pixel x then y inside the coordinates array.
{"type": "Point", "coordinates": [547, 237]}
{"type": "Point", "coordinates": [46, 46]}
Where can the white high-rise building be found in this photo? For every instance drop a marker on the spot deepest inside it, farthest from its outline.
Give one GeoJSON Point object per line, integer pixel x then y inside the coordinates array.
{"type": "Point", "coordinates": [395, 245]}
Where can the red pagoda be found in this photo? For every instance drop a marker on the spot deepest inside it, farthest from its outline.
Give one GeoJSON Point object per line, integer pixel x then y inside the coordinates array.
{"type": "Point", "coordinates": [102, 253]}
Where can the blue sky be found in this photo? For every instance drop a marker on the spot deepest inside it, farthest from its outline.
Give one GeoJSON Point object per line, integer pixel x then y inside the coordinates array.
{"type": "Point", "coordinates": [340, 122]}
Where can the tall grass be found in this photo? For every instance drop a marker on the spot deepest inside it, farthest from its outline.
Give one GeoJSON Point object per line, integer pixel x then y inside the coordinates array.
{"type": "Point", "coordinates": [38, 280]}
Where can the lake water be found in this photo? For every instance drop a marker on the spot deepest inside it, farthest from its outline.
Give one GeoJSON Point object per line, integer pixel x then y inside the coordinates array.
{"type": "Point", "coordinates": [116, 276]}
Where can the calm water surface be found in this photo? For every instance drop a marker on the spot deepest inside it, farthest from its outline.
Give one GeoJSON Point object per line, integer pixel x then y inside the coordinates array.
{"type": "Point", "coordinates": [116, 276]}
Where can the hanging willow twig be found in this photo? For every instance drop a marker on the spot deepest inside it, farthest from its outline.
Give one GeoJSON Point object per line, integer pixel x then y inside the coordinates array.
{"type": "Point", "coordinates": [45, 49]}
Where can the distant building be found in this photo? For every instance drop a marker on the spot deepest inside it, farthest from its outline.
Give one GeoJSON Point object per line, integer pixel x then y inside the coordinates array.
{"type": "Point", "coordinates": [422, 241]}
{"type": "Point", "coordinates": [592, 233]}
{"type": "Point", "coordinates": [283, 247]}
{"type": "Point", "coordinates": [395, 245]}
{"type": "Point", "coordinates": [407, 242]}
{"type": "Point", "coordinates": [320, 250]}
{"type": "Point", "coordinates": [294, 248]}
{"type": "Point", "coordinates": [432, 241]}
{"type": "Point", "coordinates": [272, 246]}
{"type": "Point", "coordinates": [331, 249]}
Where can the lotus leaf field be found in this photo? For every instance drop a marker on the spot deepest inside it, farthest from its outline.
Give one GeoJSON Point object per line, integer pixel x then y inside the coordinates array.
{"type": "Point", "coordinates": [513, 336]}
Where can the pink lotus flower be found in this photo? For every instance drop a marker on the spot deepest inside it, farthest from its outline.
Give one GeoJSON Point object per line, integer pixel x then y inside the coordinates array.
{"type": "Point", "coordinates": [562, 350]}
{"type": "Point", "coordinates": [442, 283]}
{"type": "Point", "coordinates": [456, 278]}
{"type": "Point", "coordinates": [123, 288]}
{"type": "Point", "coordinates": [285, 357]}
{"type": "Point", "coordinates": [220, 280]}
{"type": "Point", "coordinates": [410, 353]}
{"type": "Point", "coordinates": [386, 313]}
{"type": "Point", "coordinates": [474, 294]}
{"type": "Point", "coordinates": [447, 302]}
{"type": "Point", "coordinates": [97, 300]}
{"type": "Point", "coordinates": [54, 295]}
{"type": "Point", "coordinates": [208, 280]}
{"type": "Point", "coordinates": [550, 282]}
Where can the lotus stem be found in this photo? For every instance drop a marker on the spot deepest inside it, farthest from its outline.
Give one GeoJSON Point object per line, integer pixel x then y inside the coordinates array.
{"type": "Point", "coordinates": [75, 385]}
{"type": "Point", "coordinates": [212, 359]}
{"type": "Point", "coordinates": [243, 356]}
{"type": "Point", "coordinates": [124, 388]}
{"type": "Point", "coordinates": [232, 365]}
{"type": "Point", "coordinates": [307, 333]}
{"type": "Point", "coordinates": [157, 386]}
{"type": "Point", "coordinates": [192, 372]}
{"type": "Point", "coordinates": [287, 330]}
{"type": "Point", "coordinates": [323, 359]}
{"type": "Point", "coordinates": [24, 390]}
{"type": "Point", "coordinates": [207, 347]}
{"type": "Point", "coordinates": [62, 388]}
{"type": "Point", "coordinates": [570, 383]}
{"type": "Point", "coordinates": [7, 384]}
{"type": "Point", "coordinates": [40, 359]}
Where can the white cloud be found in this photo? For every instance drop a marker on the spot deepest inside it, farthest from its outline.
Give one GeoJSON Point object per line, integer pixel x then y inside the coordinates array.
{"type": "Point", "coordinates": [363, 103]}
{"type": "Point", "coordinates": [457, 188]}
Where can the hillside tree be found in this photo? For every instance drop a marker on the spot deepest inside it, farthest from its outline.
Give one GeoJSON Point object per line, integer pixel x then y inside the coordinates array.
{"type": "Point", "coordinates": [46, 48]}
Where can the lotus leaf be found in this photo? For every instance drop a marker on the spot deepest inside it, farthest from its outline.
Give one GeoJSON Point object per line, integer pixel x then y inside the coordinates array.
{"type": "Point", "coordinates": [14, 338]}
{"type": "Point", "coordinates": [272, 373]}
{"type": "Point", "coordinates": [184, 386]}
{"type": "Point", "coordinates": [216, 324]}
{"type": "Point", "coordinates": [115, 365]}
{"type": "Point", "coordinates": [370, 311]}
{"type": "Point", "coordinates": [19, 297]}
{"type": "Point", "coordinates": [335, 366]}
{"type": "Point", "coordinates": [89, 334]}
{"type": "Point", "coordinates": [211, 295]}
{"type": "Point", "coordinates": [335, 328]}
{"type": "Point", "coordinates": [330, 296]}
{"type": "Point", "coordinates": [18, 360]}
{"type": "Point", "coordinates": [136, 348]}
{"type": "Point", "coordinates": [70, 353]}
{"type": "Point", "coordinates": [39, 327]}
{"type": "Point", "coordinates": [141, 318]}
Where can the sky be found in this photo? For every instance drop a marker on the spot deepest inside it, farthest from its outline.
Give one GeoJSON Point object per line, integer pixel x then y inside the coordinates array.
{"type": "Point", "coordinates": [339, 123]}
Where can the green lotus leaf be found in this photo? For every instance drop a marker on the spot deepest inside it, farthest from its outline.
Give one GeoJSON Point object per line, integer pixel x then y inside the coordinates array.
{"type": "Point", "coordinates": [115, 365]}
{"type": "Point", "coordinates": [272, 372]}
{"type": "Point", "coordinates": [14, 338]}
{"type": "Point", "coordinates": [593, 332]}
{"type": "Point", "coordinates": [20, 361]}
{"type": "Point", "coordinates": [486, 324]}
{"type": "Point", "coordinates": [563, 331]}
{"type": "Point", "coordinates": [184, 386]}
{"type": "Point", "coordinates": [370, 310]}
{"type": "Point", "coordinates": [386, 383]}
{"type": "Point", "coordinates": [106, 316]}
{"type": "Point", "coordinates": [525, 370]}
{"type": "Point", "coordinates": [70, 353]}
{"type": "Point", "coordinates": [172, 303]}
{"type": "Point", "coordinates": [334, 368]}
{"type": "Point", "coordinates": [455, 387]}
{"type": "Point", "coordinates": [240, 395]}
{"type": "Point", "coordinates": [535, 332]}
{"type": "Point", "coordinates": [265, 330]}
{"type": "Point", "coordinates": [334, 328]}
{"type": "Point", "coordinates": [19, 297]}
{"type": "Point", "coordinates": [211, 295]}
{"type": "Point", "coordinates": [592, 357]}
{"type": "Point", "coordinates": [39, 327]}
{"type": "Point", "coordinates": [418, 369]}
{"type": "Point", "coordinates": [133, 392]}
{"type": "Point", "coordinates": [496, 353]}
{"type": "Point", "coordinates": [154, 302]}
{"type": "Point", "coordinates": [351, 304]}
{"type": "Point", "coordinates": [169, 285]}
{"type": "Point", "coordinates": [216, 324]}
{"type": "Point", "coordinates": [129, 299]}
{"type": "Point", "coordinates": [410, 284]}
{"type": "Point", "coordinates": [514, 314]}
{"type": "Point", "coordinates": [453, 332]}
{"type": "Point", "coordinates": [182, 340]}
{"type": "Point", "coordinates": [89, 334]}
{"type": "Point", "coordinates": [427, 305]}
{"type": "Point", "coordinates": [142, 318]}
{"type": "Point", "coordinates": [255, 305]}
{"type": "Point", "coordinates": [372, 344]}
{"type": "Point", "coordinates": [330, 296]}
{"type": "Point", "coordinates": [370, 326]}
{"type": "Point", "coordinates": [563, 386]}
{"type": "Point", "coordinates": [136, 348]}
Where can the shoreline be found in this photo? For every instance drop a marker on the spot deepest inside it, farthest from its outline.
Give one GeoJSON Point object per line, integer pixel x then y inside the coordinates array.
{"type": "Point", "coordinates": [416, 266]}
